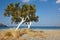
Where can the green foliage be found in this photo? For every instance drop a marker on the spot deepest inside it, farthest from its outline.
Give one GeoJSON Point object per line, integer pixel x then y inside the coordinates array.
{"type": "Point", "coordinates": [26, 11]}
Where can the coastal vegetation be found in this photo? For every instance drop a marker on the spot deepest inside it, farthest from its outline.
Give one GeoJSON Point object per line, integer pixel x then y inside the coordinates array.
{"type": "Point", "coordinates": [28, 34]}
{"type": "Point", "coordinates": [11, 34]}
{"type": "Point", "coordinates": [21, 14]}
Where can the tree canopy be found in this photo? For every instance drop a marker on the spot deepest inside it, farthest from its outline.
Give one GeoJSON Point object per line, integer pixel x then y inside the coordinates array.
{"type": "Point", "coordinates": [26, 11]}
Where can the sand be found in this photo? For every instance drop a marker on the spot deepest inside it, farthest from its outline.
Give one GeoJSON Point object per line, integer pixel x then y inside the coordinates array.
{"type": "Point", "coordinates": [33, 35]}
{"type": "Point", "coordinates": [53, 35]}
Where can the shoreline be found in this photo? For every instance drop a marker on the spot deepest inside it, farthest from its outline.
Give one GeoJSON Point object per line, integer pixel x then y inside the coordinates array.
{"type": "Point", "coordinates": [32, 29]}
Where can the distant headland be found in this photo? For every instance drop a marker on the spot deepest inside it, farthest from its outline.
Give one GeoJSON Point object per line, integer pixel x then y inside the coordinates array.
{"type": "Point", "coordinates": [3, 25]}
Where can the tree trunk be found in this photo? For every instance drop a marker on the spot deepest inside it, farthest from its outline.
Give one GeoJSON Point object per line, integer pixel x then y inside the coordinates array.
{"type": "Point", "coordinates": [29, 24]}
{"type": "Point", "coordinates": [20, 24]}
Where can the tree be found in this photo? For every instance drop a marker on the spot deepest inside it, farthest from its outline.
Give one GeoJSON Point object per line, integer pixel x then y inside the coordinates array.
{"type": "Point", "coordinates": [23, 14]}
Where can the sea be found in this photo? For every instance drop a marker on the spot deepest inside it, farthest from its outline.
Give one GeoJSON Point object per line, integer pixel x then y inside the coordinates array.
{"type": "Point", "coordinates": [33, 27]}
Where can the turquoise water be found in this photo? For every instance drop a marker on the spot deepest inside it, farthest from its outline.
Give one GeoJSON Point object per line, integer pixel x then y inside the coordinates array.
{"type": "Point", "coordinates": [34, 27]}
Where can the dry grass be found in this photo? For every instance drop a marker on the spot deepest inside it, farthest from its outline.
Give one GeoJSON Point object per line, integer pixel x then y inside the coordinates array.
{"type": "Point", "coordinates": [35, 33]}
{"type": "Point", "coordinates": [16, 35]}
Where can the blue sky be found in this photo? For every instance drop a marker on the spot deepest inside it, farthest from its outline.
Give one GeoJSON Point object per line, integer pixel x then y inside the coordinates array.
{"type": "Point", "coordinates": [47, 10]}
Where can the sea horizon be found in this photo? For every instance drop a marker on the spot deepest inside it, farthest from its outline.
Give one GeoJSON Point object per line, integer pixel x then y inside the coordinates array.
{"type": "Point", "coordinates": [32, 27]}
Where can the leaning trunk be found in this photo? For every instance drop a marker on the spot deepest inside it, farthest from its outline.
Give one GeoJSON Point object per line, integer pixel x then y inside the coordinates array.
{"type": "Point", "coordinates": [29, 24]}
{"type": "Point", "coordinates": [20, 24]}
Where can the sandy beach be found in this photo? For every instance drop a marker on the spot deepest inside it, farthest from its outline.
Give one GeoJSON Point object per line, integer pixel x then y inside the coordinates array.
{"type": "Point", "coordinates": [27, 34]}
{"type": "Point", "coordinates": [53, 35]}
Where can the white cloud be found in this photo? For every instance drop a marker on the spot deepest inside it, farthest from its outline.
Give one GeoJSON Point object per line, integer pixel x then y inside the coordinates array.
{"type": "Point", "coordinates": [58, 1]}
{"type": "Point", "coordinates": [34, 0]}
{"type": "Point", "coordinates": [44, 0]}
{"type": "Point", "coordinates": [25, 0]}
